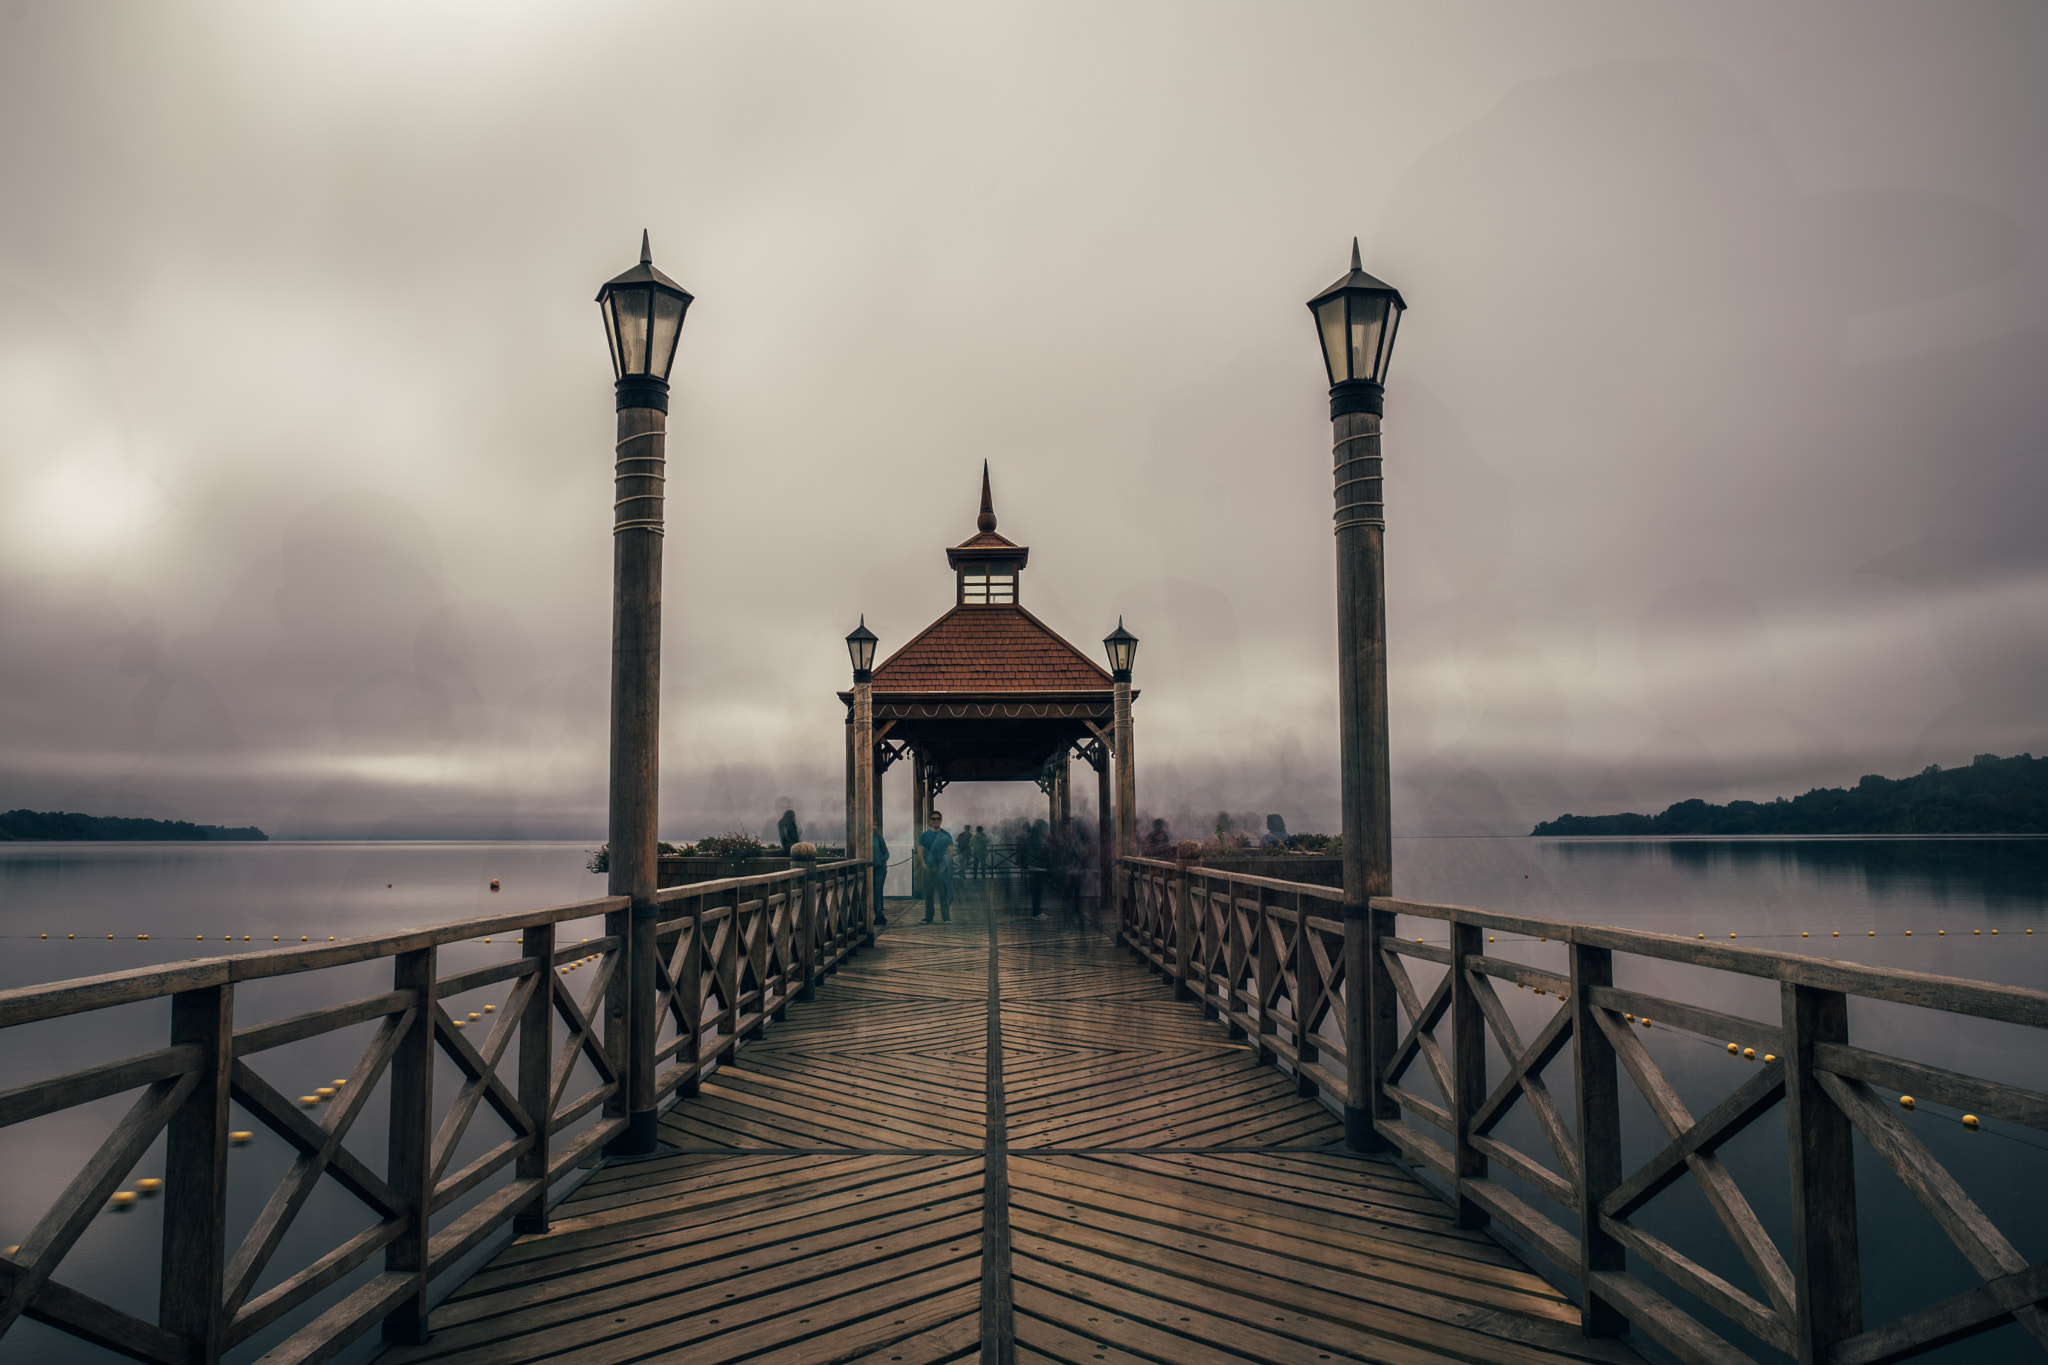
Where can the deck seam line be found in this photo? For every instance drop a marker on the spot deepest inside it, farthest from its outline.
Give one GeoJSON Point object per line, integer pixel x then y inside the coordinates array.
{"type": "Point", "coordinates": [998, 1316]}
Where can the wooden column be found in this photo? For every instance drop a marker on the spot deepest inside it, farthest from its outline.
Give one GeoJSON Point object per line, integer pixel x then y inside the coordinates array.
{"type": "Point", "coordinates": [1105, 837]}
{"type": "Point", "coordinates": [196, 1176]}
{"type": "Point", "coordinates": [638, 482]}
{"type": "Point", "coordinates": [536, 1064]}
{"type": "Point", "coordinates": [863, 848]}
{"type": "Point", "coordinates": [409, 1164]}
{"type": "Point", "coordinates": [1126, 771]}
{"type": "Point", "coordinates": [1362, 713]}
{"type": "Point", "coordinates": [1468, 1071]}
{"type": "Point", "coordinates": [1827, 1278]}
{"type": "Point", "coordinates": [920, 804]}
{"type": "Point", "coordinates": [1598, 1083]}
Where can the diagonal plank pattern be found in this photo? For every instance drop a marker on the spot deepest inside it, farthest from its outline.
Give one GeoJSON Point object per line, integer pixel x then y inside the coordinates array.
{"type": "Point", "coordinates": [1119, 1182]}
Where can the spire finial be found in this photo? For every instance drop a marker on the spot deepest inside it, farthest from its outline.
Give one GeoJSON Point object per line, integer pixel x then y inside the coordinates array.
{"type": "Point", "coordinates": [987, 520]}
{"type": "Point", "coordinates": [647, 256]}
{"type": "Point", "coordinates": [1356, 264]}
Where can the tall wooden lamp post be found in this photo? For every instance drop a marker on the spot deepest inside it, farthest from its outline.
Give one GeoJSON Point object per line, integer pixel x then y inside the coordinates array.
{"type": "Point", "coordinates": [1356, 319]}
{"type": "Point", "coordinates": [860, 647]}
{"type": "Point", "coordinates": [643, 319]}
{"type": "Point", "coordinates": [1122, 647]}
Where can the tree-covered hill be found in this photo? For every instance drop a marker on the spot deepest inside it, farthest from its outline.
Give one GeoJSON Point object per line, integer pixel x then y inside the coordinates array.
{"type": "Point", "coordinates": [1992, 796]}
{"type": "Point", "coordinates": [67, 825]}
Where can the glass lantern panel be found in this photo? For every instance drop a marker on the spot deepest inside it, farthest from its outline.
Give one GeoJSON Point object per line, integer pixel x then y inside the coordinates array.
{"type": "Point", "coordinates": [1368, 320]}
{"type": "Point", "coordinates": [629, 311]}
{"type": "Point", "coordinates": [668, 325]}
{"type": "Point", "coordinates": [1330, 319]}
{"type": "Point", "coordinates": [1002, 586]}
{"type": "Point", "coordinates": [1387, 345]}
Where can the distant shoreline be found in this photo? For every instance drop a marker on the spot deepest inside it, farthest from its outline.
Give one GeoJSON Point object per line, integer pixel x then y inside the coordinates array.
{"type": "Point", "coordinates": [1993, 796]}
{"type": "Point", "coordinates": [66, 827]}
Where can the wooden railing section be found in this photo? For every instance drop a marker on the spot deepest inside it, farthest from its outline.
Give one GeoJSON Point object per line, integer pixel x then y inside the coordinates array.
{"type": "Point", "coordinates": [730, 956]}
{"type": "Point", "coordinates": [1273, 961]}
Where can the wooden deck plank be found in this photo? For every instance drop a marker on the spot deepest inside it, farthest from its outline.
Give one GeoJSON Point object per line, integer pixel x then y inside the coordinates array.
{"type": "Point", "coordinates": [1166, 1197]}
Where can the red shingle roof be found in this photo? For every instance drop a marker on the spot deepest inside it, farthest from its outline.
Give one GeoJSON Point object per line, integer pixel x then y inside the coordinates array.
{"type": "Point", "coordinates": [989, 649]}
{"type": "Point", "coordinates": [986, 540]}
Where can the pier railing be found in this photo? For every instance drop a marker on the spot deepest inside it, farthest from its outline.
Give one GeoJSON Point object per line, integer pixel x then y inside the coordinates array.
{"type": "Point", "coordinates": [1276, 961]}
{"type": "Point", "coordinates": [729, 957]}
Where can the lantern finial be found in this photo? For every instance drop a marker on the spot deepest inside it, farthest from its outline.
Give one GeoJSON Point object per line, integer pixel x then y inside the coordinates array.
{"type": "Point", "coordinates": [987, 520]}
{"type": "Point", "coordinates": [647, 256]}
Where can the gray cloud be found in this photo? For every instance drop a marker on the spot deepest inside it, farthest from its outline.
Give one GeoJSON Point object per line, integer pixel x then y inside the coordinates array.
{"type": "Point", "coordinates": [1713, 434]}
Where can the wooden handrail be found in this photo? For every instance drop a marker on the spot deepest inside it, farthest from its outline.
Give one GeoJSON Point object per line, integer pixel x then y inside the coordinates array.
{"type": "Point", "coordinates": [729, 958]}
{"type": "Point", "coordinates": [1276, 973]}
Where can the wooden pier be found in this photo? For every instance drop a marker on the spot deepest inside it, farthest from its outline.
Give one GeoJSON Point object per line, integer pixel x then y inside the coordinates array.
{"type": "Point", "coordinates": [1000, 1131]}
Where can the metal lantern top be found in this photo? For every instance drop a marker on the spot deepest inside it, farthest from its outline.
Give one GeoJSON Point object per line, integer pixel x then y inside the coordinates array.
{"type": "Point", "coordinates": [1123, 649]}
{"type": "Point", "coordinates": [1356, 319]}
{"type": "Point", "coordinates": [860, 647]}
{"type": "Point", "coordinates": [643, 319]}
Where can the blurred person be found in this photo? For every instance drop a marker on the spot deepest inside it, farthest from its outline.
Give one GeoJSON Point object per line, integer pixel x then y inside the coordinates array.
{"type": "Point", "coordinates": [935, 851]}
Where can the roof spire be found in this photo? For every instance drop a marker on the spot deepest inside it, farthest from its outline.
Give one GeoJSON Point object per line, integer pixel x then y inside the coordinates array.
{"type": "Point", "coordinates": [647, 257]}
{"type": "Point", "coordinates": [987, 520]}
{"type": "Point", "coordinates": [1356, 264]}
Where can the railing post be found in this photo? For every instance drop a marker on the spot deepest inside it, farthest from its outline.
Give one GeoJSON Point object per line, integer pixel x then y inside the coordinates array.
{"type": "Point", "coordinates": [689, 999]}
{"type": "Point", "coordinates": [1188, 855]}
{"type": "Point", "coordinates": [805, 919]}
{"type": "Point", "coordinates": [196, 1177]}
{"type": "Point", "coordinates": [409, 1163]}
{"type": "Point", "coordinates": [640, 1136]}
{"type": "Point", "coordinates": [1597, 1081]}
{"type": "Point", "coordinates": [1371, 1030]}
{"type": "Point", "coordinates": [618, 1034]}
{"type": "Point", "coordinates": [1468, 1071]}
{"type": "Point", "coordinates": [1308, 988]}
{"type": "Point", "coordinates": [536, 1065]}
{"type": "Point", "coordinates": [1265, 974]}
{"type": "Point", "coordinates": [1827, 1277]}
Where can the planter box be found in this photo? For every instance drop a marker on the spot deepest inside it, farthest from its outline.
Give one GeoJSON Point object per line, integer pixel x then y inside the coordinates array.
{"type": "Point", "coordinates": [1314, 869]}
{"type": "Point", "coordinates": [678, 871]}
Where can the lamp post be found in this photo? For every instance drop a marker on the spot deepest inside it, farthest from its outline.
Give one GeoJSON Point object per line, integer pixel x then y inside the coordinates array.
{"type": "Point", "coordinates": [860, 648]}
{"type": "Point", "coordinates": [1356, 319]}
{"type": "Point", "coordinates": [1122, 647]}
{"type": "Point", "coordinates": [643, 319]}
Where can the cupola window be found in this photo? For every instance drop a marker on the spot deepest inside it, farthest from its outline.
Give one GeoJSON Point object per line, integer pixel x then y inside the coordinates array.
{"type": "Point", "coordinates": [988, 585]}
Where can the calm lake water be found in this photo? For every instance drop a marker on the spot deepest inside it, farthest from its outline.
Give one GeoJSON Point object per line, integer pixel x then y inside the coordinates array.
{"type": "Point", "coordinates": [1952, 894]}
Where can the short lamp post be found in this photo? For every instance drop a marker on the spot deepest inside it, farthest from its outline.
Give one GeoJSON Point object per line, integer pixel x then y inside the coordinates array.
{"type": "Point", "coordinates": [643, 319]}
{"type": "Point", "coordinates": [1122, 648]}
{"type": "Point", "coordinates": [1356, 319]}
{"type": "Point", "coordinates": [860, 648]}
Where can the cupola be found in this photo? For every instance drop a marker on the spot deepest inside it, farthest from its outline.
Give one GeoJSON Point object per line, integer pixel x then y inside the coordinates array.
{"type": "Point", "coordinates": [985, 565]}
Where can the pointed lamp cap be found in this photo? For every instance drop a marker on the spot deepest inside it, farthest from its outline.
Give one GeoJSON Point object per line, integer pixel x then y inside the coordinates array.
{"type": "Point", "coordinates": [647, 252]}
{"type": "Point", "coordinates": [987, 520]}
{"type": "Point", "coordinates": [644, 274]}
{"type": "Point", "coordinates": [1356, 280]}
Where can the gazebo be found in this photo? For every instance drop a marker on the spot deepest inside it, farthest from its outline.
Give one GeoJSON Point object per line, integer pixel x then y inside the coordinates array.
{"type": "Point", "coordinates": [990, 693]}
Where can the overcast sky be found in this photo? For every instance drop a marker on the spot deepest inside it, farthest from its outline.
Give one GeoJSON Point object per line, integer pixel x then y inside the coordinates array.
{"type": "Point", "coordinates": [1715, 432]}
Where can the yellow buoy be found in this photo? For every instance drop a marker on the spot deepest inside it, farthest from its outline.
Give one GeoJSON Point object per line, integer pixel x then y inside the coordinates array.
{"type": "Point", "coordinates": [199, 938]}
{"type": "Point", "coordinates": [1646, 1021]}
{"type": "Point", "coordinates": [1749, 1054]}
{"type": "Point", "coordinates": [1630, 1017]}
{"type": "Point", "coordinates": [1909, 933]}
{"type": "Point", "coordinates": [110, 938]}
{"type": "Point", "coordinates": [302, 938]}
{"type": "Point", "coordinates": [275, 939]}
{"type": "Point", "coordinates": [1941, 933]}
{"type": "Point", "coordinates": [309, 1100]}
{"type": "Point", "coordinates": [245, 938]}
{"type": "Point", "coordinates": [487, 940]}
{"type": "Point", "coordinates": [240, 1138]}
{"type": "Point", "coordinates": [458, 1023]}
{"type": "Point", "coordinates": [474, 1016]}
{"type": "Point", "coordinates": [1804, 934]}
{"type": "Point", "coordinates": [1539, 992]}
{"type": "Point", "coordinates": [75, 936]}
{"type": "Point", "coordinates": [330, 938]}
{"type": "Point", "coordinates": [1770, 1057]}
{"type": "Point", "coordinates": [1994, 934]}
{"type": "Point", "coordinates": [11, 1250]}
{"type": "Point", "coordinates": [142, 938]}
{"type": "Point", "coordinates": [1873, 933]}
{"type": "Point", "coordinates": [325, 1092]}
{"type": "Point", "coordinates": [45, 935]}
{"type": "Point", "coordinates": [1489, 937]}
{"type": "Point", "coordinates": [123, 1199]}
{"type": "Point", "coordinates": [1838, 933]}
{"type": "Point", "coordinates": [489, 1008]}
{"type": "Point", "coordinates": [1970, 1122]}
{"type": "Point", "coordinates": [1733, 1049]}
{"type": "Point", "coordinates": [1905, 1101]}
{"type": "Point", "coordinates": [1731, 936]}
{"type": "Point", "coordinates": [1701, 936]}
{"type": "Point", "coordinates": [148, 1187]}
{"type": "Point", "coordinates": [1978, 933]}
{"type": "Point", "coordinates": [339, 1082]}
{"type": "Point", "coordinates": [1418, 939]}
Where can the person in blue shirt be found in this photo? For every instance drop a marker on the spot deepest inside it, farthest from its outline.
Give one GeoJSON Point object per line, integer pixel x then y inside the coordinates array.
{"type": "Point", "coordinates": [935, 848]}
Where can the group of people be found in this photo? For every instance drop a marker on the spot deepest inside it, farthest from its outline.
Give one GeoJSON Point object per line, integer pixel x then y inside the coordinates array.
{"type": "Point", "coordinates": [1059, 858]}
